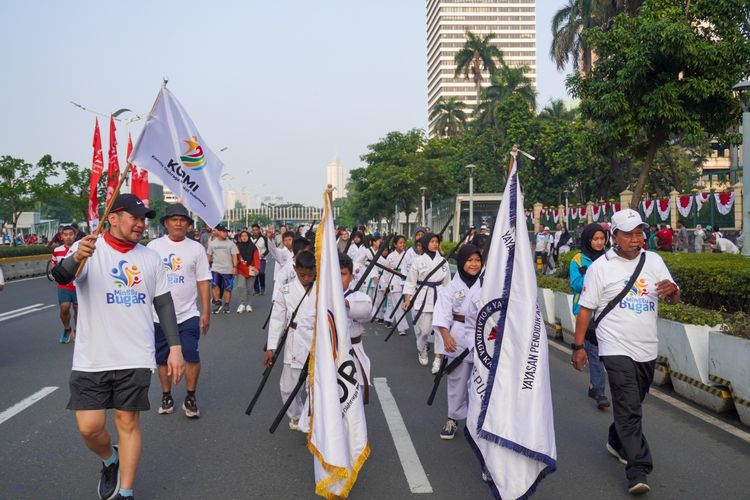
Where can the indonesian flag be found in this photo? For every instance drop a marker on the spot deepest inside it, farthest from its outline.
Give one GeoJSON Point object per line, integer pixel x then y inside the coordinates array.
{"type": "Point", "coordinates": [113, 168]}
{"type": "Point", "coordinates": [97, 167]}
{"type": "Point", "coordinates": [338, 432]}
{"type": "Point", "coordinates": [509, 423]}
{"type": "Point", "coordinates": [171, 148]}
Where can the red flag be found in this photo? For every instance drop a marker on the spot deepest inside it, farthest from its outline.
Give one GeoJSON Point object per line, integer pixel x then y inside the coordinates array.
{"type": "Point", "coordinates": [113, 169]}
{"type": "Point", "coordinates": [144, 186]}
{"type": "Point", "coordinates": [138, 180]}
{"type": "Point", "coordinates": [96, 173]}
{"type": "Point", "coordinates": [133, 171]}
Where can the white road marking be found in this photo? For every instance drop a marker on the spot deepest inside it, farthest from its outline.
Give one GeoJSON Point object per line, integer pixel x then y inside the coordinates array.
{"type": "Point", "coordinates": [658, 393]}
{"type": "Point", "coordinates": [22, 405]}
{"type": "Point", "coordinates": [23, 311]}
{"type": "Point", "coordinates": [413, 470]}
{"type": "Point", "coordinates": [10, 282]}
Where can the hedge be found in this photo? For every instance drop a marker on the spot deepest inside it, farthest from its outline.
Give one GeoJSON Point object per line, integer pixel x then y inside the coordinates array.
{"type": "Point", "coordinates": [23, 251]}
{"type": "Point", "coordinates": [715, 281]}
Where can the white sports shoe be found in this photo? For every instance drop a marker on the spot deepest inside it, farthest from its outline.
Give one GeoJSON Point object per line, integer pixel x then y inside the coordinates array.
{"type": "Point", "coordinates": [436, 365]}
{"type": "Point", "coordinates": [294, 424]}
{"type": "Point", "coordinates": [423, 359]}
{"type": "Point", "coordinates": [241, 309]}
{"type": "Point", "coordinates": [248, 308]}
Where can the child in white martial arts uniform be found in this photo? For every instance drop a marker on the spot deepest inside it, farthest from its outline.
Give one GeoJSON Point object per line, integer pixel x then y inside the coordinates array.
{"type": "Point", "coordinates": [381, 286]}
{"type": "Point", "coordinates": [358, 252]}
{"type": "Point", "coordinates": [417, 277]}
{"type": "Point", "coordinates": [449, 319]}
{"type": "Point", "coordinates": [299, 292]}
{"type": "Point", "coordinates": [286, 273]}
{"type": "Point", "coordinates": [395, 284]}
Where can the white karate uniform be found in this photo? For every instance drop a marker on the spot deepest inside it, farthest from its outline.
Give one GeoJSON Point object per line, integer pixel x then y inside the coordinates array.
{"type": "Point", "coordinates": [395, 285]}
{"type": "Point", "coordinates": [380, 288]}
{"type": "Point", "coordinates": [359, 309]}
{"type": "Point", "coordinates": [454, 300]}
{"type": "Point", "coordinates": [427, 296]}
{"type": "Point", "coordinates": [298, 340]}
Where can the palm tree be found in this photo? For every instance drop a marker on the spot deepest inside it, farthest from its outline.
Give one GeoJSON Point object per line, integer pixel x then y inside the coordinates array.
{"type": "Point", "coordinates": [477, 54]}
{"type": "Point", "coordinates": [556, 111]}
{"type": "Point", "coordinates": [567, 25]}
{"type": "Point", "coordinates": [450, 116]}
{"type": "Point", "coordinates": [505, 82]}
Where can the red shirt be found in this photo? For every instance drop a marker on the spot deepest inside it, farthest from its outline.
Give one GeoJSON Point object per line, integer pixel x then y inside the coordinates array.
{"type": "Point", "coordinates": [58, 254]}
{"type": "Point", "coordinates": [665, 239]}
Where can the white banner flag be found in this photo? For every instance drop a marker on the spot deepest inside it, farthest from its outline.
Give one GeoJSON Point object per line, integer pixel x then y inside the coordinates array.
{"type": "Point", "coordinates": [171, 148]}
{"type": "Point", "coordinates": [338, 431]}
{"type": "Point", "coordinates": [510, 424]}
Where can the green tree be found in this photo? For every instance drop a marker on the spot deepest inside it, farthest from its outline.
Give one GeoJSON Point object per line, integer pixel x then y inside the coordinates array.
{"type": "Point", "coordinates": [23, 185]}
{"type": "Point", "coordinates": [567, 42]}
{"type": "Point", "coordinates": [665, 75]}
{"type": "Point", "coordinates": [477, 55]}
{"type": "Point", "coordinates": [504, 83]}
{"type": "Point", "coordinates": [450, 116]}
{"type": "Point", "coordinates": [556, 111]}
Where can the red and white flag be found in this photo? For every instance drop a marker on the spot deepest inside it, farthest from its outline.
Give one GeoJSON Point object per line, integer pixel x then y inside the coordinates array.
{"type": "Point", "coordinates": [113, 168]}
{"type": "Point", "coordinates": [97, 167]}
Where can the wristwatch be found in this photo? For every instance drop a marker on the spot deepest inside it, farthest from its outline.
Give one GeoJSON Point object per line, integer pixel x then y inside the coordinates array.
{"type": "Point", "coordinates": [577, 347]}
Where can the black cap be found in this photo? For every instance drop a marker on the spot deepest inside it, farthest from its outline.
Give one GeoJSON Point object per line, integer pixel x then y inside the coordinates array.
{"type": "Point", "coordinates": [220, 227]}
{"type": "Point", "coordinates": [179, 210]}
{"type": "Point", "coordinates": [133, 205]}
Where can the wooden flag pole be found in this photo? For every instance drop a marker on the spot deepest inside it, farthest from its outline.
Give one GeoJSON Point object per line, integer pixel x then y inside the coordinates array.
{"type": "Point", "coordinates": [103, 220]}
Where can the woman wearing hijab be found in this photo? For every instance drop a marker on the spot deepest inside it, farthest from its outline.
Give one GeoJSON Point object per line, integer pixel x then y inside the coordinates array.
{"type": "Point", "coordinates": [358, 253]}
{"type": "Point", "coordinates": [417, 277]}
{"type": "Point", "coordinates": [700, 238]}
{"type": "Point", "coordinates": [593, 243]}
{"type": "Point", "coordinates": [414, 251]}
{"type": "Point", "coordinates": [449, 319]}
{"type": "Point", "coordinates": [249, 257]}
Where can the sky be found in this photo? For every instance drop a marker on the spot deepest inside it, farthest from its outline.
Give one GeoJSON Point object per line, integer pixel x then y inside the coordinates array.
{"type": "Point", "coordinates": [284, 85]}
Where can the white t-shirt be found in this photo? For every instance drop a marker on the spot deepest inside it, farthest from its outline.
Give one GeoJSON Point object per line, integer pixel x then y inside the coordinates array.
{"type": "Point", "coordinates": [115, 328]}
{"type": "Point", "coordinates": [629, 329]}
{"type": "Point", "coordinates": [185, 263]}
{"type": "Point", "coordinates": [727, 246]}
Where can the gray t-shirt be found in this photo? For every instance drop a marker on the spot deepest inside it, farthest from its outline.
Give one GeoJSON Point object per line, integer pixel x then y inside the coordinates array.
{"type": "Point", "coordinates": [221, 252]}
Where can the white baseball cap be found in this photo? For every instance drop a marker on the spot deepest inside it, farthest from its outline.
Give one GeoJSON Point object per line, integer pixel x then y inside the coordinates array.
{"type": "Point", "coordinates": [626, 220]}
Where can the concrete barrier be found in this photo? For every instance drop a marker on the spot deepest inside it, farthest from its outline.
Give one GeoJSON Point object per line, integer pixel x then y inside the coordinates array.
{"type": "Point", "coordinates": [24, 267]}
{"type": "Point", "coordinates": [729, 365]}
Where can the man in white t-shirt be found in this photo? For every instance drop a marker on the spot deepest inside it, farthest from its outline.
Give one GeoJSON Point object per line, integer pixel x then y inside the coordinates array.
{"type": "Point", "coordinates": [626, 336]}
{"type": "Point", "coordinates": [188, 275]}
{"type": "Point", "coordinates": [722, 245]}
{"type": "Point", "coordinates": [120, 284]}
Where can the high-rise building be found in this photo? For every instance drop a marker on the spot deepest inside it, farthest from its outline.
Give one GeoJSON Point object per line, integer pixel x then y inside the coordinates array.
{"type": "Point", "coordinates": [336, 178]}
{"type": "Point", "coordinates": [513, 23]}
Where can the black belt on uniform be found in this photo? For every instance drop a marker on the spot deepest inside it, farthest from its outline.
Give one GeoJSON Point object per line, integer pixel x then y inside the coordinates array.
{"type": "Point", "coordinates": [356, 340]}
{"type": "Point", "coordinates": [293, 325]}
{"type": "Point", "coordinates": [460, 318]}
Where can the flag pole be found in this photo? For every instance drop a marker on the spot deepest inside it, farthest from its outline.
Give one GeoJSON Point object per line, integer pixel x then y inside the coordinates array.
{"type": "Point", "coordinates": [103, 220]}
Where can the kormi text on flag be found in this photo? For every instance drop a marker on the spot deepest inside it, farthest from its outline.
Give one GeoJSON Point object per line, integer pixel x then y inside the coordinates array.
{"type": "Point", "coordinates": [510, 423]}
{"type": "Point", "coordinates": [171, 148]}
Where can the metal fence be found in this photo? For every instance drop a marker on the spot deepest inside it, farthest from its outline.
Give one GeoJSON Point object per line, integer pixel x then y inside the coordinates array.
{"type": "Point", "coordinates": [279, 215]}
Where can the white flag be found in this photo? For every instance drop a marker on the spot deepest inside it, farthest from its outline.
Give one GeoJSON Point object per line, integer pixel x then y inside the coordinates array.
{"type": "Point", "coordinates": [171, 148]}
{"type": "Point", "coordinates": [509, 423]}
{"type": "Point", "coordinates": [338, 431]}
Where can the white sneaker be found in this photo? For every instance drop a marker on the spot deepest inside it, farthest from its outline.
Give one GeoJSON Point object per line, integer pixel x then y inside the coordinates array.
{"type": "Point", "coordinates": [436, 365]}
{"type": "Point", "coordinates": [612, 451]}
{"type": "Point", "coordinates": [248, 309]}
{"type": "Point", "coordinates": [402, 333]}
{"type": "Point", "coordinates": [423, 359]}
{"type": "Point", "coordinates": [241, 309]}
{"type": "Point", "coordinates": [294, 424]}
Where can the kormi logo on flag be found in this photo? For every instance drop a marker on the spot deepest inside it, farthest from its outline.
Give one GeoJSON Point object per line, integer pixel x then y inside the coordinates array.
{"type": "Point", "coordinates": [191, 172]}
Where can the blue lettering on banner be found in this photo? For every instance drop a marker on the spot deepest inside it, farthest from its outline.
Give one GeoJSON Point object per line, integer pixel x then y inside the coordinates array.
{"type": "Point", "coordinates": [533, 357]}
{"type": "Point", "coordinates": [126, 297]}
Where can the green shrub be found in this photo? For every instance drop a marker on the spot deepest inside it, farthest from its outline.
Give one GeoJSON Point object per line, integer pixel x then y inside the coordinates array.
{"type": "Point", "coordinates": [738, 325]}
{"type": "Point", "coordinates": [22, 251]}
{"type": "Point", "coordinates": [709, 280]}
{"type": "Point", "coordinates": [691, 315]}
{"type": "Point", "coordinates": [553, 283]}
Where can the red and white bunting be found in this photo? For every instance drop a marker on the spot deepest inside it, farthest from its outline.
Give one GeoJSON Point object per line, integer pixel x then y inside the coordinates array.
{"type": "Point", "coordinates": [617, 208]}
{"type": "Point", "coordinates": [596, 211]}
{"type": "Point", "coordinates": [663, 206]}
{"type": "Point", "coordinates": [700, 199]}
{"type": "Point", "coordinates": [574, 212]}
{"type": "Point", "coordinates": [648, 207]}
{"type": "Point", "coordinates": [724, 202]}
{"type": "Point", "coordinates": [555, 214]}
{"type": "Point", "coordinates": [582, 212]}
{"type": "Point", "coordinates": [684, 205]}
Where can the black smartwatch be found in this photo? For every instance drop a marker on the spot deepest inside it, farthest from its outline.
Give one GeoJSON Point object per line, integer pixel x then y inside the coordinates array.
{"type": "Point", "coordinates": [577, 347]}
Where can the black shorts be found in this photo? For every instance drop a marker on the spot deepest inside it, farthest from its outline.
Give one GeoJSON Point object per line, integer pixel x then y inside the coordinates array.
{"type": "Point", "coordinates": [119, 389]}
{"type": "Point", "coordinates": [190, 334]}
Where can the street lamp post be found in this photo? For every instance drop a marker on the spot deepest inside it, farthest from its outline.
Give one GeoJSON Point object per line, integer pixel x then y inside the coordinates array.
{"type": "Point", "coordinates": [743, 93]}
{"type": "Point", "coordinates": [471, 168]}
{"type": "Point", "coordinates": [423, 189]}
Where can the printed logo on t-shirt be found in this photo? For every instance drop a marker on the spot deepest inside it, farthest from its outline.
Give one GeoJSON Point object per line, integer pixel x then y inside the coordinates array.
{"type": "Point", "coordinates": [126, 277]}
{"type": "Point", "coordinates": [173, 263]}
{"type": "Point", "coordinates": [637, 299]}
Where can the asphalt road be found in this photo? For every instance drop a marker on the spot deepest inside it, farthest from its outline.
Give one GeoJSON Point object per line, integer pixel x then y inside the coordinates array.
{"type": "Point", "coordinates": [227, 454]}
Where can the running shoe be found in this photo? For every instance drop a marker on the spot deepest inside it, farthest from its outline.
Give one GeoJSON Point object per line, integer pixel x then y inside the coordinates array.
{"type": "Point", "coordinates": [449, 430]}
{"type": "Point", "coordinates": [241, 309]}
{"type": "Point", "coordinates": [422, 358]}
{"type": "Point", "coordinates": [218, 307]}
{"type": "Point", "coordinates": [167, 404]}
{"type": "Point", "coordinates": [294, 424]}
{"type": "Point", "coordinates": [638, 486]}
{"type": "Point", "coordinates": [109, 480]}
{"type": "Point", "coordinates": [65, 337]}
{"type": "Point", "coordinates": [436, 365]}
{"type": "Point", "coordinates": [612, 451]}
{"type": "Point", "coordinates": [402, 333]}
{"type": "Point", "coordinates": [190, 407]}
{"type": "Point", "coordinates": [248, 308]}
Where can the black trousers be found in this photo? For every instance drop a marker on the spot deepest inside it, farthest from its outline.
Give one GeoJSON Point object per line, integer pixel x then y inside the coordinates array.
{"type": "Point", "coordinates": [260, 281]}
{"type": "Point", "coordinates": [629, 382]}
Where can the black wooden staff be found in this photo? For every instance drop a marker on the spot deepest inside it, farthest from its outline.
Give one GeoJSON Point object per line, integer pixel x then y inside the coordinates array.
{"type": "Point", "coordinates": [385, 296]}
